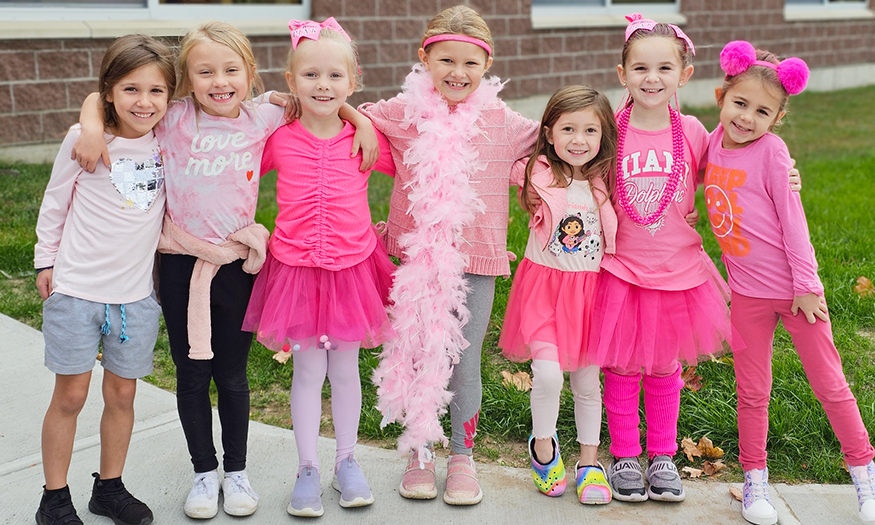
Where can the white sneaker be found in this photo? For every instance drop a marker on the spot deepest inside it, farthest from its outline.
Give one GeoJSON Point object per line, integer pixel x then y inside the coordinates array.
{"type": "Point", "coordinates": [756, 506]}
{"type": "Point", "coordinates": [240, 499]}
{"type": "Point", "coordinates": [203, 498]}
{"type": "Point", "coordinates": [864, 481]}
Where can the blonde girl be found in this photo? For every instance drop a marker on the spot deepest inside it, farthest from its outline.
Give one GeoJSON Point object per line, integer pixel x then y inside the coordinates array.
{"type": "Point", "coordinates": [454, 142]}
{"type": "Point", "coordinates": [761, 228]}
{"type": "Point", "coordinates": [549, 309]}
{"type": "Point", "coordinates": [97, 234]}
{"type": "Point", "coordinates": [322, 292]}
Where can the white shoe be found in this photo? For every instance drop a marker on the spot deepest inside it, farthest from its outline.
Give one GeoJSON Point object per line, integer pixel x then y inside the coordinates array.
{"type": "Point", "coordinates": [240, 499]}
{"type": "Point", "coordinates": [203, 498]}
{"type": "Point", "coordinates": [864, 482]}
{"type": "Point", "coordinates": [756, 507]}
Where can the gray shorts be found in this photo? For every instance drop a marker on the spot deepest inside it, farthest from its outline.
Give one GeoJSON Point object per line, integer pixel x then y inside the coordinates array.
{"type": "Point", "coordinates": [72, 329]}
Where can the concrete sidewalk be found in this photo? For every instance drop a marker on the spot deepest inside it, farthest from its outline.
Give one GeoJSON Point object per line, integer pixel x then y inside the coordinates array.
{"type": "Point", "coordinates": [159, 471]}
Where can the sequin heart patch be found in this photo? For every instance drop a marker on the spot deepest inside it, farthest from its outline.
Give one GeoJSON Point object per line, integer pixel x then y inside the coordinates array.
{"type": "Point", "coordinates": [138, 183]}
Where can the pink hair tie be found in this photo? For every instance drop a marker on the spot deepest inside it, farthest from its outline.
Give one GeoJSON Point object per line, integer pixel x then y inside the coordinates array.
{"type": "Point", "coordinates": [309, 29]}
{"type": "Point", "coordinates": [739, 55]}
{"type": "Point", "coordinates": [637, 21]}
{"type": "Point", "coordinates": [457, 38]}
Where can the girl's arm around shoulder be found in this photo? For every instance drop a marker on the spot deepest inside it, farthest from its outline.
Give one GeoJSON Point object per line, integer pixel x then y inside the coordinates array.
{"type": "Point", "coordinates": [523, 133]}
{"type": "Point", "coordinates": [385, 163]}
{"type": "Point", "coordinates": [365, 137]}
{"type": "Point", "coordinates": [385, 115]}
{"type": "Point", "coordinates": [697, 138]}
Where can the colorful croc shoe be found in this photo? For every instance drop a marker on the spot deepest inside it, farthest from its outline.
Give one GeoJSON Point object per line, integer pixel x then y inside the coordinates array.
{"type": "Point", "coordinates": [592, 485]}
{"type": "Point", "coordinates": [550, 478]}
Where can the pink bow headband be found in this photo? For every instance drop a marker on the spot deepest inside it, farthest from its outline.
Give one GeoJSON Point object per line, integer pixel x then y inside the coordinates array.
{"type": "Point", "coordinates": [739, 55]}
{"type": "Point", "coordinates": [637, 21]}
{"type": "Point", "coordinates": [457, 38]}
{"type": "Point", "coordinates": [309, 29]}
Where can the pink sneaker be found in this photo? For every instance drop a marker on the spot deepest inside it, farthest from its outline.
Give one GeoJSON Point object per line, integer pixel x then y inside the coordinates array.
{"type": "Point", "coordinates": [462, 485]}
{"type": "Point", "coordinates": [418, 483]}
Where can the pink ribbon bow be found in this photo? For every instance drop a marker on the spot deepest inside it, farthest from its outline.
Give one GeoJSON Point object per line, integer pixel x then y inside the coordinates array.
{"type": "Point", "coordinates": [309, 29]}
{"type": "Point", "coordinates": [637, 21]}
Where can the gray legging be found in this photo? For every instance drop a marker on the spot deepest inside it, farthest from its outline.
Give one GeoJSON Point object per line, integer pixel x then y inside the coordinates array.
{"type": "Point", "coordinates": [465, 383]}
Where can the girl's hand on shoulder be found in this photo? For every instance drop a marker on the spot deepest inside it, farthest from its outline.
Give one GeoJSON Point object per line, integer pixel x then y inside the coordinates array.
{"type": "Point", "coordinates": [795, 177]}
{"type": "Point", "coordinates": [288, 101]}
{"type": "Point", "coordinates": [812, 305]}
{"type": "Point", "coordinates": [89, 148]}
{"type": "Point", "coordinates": [44, 283]}
{"type": "Point", "coordinates": [366, 139]}
{"type": "Point", "coordinates": [692, 218]}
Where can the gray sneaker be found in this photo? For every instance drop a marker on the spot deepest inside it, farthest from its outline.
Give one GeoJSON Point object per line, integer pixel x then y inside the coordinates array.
{"type": "Point", "coordinates": [627, 482]}
{"type": "Point", "coordinates": [664, 480]}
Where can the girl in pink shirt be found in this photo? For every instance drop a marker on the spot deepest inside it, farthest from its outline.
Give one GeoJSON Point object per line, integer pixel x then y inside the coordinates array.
{"type": "Point", "coordinates": [660, 299]}
{"type": "Point", "coordinates": [322, 292]}
{"type": "Point", "coordinates": [454, 142]}
{"type": "Point", "coordinates": [762, 232]}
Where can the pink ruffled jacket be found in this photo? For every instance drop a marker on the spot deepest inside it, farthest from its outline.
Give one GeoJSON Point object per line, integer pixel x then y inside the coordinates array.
{"type": "Point", "coordinates": [505, 136]}
{"type": "Point", "coordinates": [546, 219]}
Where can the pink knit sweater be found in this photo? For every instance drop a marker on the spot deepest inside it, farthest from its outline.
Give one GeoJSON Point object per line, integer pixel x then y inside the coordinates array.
{"type": "Point", "coordinates": [505, 137]}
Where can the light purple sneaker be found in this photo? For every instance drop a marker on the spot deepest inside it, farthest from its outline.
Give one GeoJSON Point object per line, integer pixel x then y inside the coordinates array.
{"type": "Point", "coordinates": [307, 494]}
{"type": "Point", "coordinates": [351, 483]}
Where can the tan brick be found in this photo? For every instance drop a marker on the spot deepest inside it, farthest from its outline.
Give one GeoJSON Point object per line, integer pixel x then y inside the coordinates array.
{"type": "Point", "coordinates": [40, 96]}
{"type": "Point", "coordinates": [392, 8]}
{"type": "Point", "coordinates": [30, 45]}
{"type": "Point", "coordinates": [78, 90]}
{"type": "Point", "coordinates": [562, 64]}
{"type": "Point", "coordinates": [275, 80]}
{"type": "Point", "coordinates": [548, 85]}
{"type": "Point", "coordinates": [508, 7]}
{"type": "Point", "coordinates": [378, 76]}
{"type": "Point", "coordinates": [426, 8]}
{"type": "Point", "coordinates": [507, 47]}
{"type": "Point", "coordinates": [325, 8]}
{"type": "Point", "coordinates": [409, 29]}
{"type": "Point", "coordinates": [394, 52]}
{"type": "Point", "coordinates": [353, 8]}
{"type": "Point", "coordinates": [530, 46]}
{"type": "Point", "coordinates": [56, 124]}
{"type": "Point", "coordinates": [20, 129]}
{"type": "Point", "coordinates": [550, 45]}
{"type": "Point", "coordinates": [17, 66]}
{"type": "Point", "coordinates": [279, 55]}
{"type": "Point", "coordinates": [61, 64]}
{"type": "Point", "coordinates": [262, 56]}
{"type": "Point", "coordinates": [483, 7]}
{"type": "Point", "coordinates": [5, 99]}
{"type": "Point", "coordinates": [367, 53]}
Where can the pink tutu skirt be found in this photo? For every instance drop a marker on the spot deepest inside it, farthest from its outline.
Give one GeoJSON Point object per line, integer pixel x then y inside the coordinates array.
{"type": "Point", "coordinates": [644, 329]}
{"type": "Point", "coordinates": [552, 306]}
{"type": "Point", "coordinates": [298, 307]}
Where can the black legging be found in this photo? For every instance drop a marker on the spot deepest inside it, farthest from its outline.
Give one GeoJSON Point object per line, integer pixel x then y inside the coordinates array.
{"type": "Point", "coordinates": [229, 296]}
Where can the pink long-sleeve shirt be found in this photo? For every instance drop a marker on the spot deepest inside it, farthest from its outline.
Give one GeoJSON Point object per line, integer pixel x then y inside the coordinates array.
{"type": "Point", "coordinates": [668, 254]}
{"type": "Point", "coordinates": [212, 165]}
{"type": "Point", "coordinates": [506, 136]}
{"type": "Point", "coordinates": [758, 221]}
{"type": "Point", "coordinates": [323, 220]}
{"type": "Point", "coordinates": [100, 230]}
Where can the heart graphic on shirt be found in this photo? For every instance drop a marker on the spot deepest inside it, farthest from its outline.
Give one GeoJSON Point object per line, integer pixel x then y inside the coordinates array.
{"type": "Point", "coordinates": [249, 175]}
{"type": "Point", "coordinates": [138, 183]}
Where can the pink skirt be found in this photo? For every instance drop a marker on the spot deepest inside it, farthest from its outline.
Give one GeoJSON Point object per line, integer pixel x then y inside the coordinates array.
{"type": "Point", "coordinates": [645, 329]}
{"type": "Point", "coordinates": [552, 306]}
{"type": "Point", "coordinates": [298, 307]}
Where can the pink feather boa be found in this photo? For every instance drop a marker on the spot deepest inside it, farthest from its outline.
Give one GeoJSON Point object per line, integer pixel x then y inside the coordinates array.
{"type": "Point", "coordinates": [428, 297]}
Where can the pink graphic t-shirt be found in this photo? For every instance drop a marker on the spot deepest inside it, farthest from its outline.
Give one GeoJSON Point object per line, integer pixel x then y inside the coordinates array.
{"type": "Point", "coordinates": [212, 165]}
{"type": "Point", "coordinates": [668, 254]}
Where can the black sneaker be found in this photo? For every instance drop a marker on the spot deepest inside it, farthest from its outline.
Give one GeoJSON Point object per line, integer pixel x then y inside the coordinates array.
{"type": "Point", "coordinates": [110, 498]}
{"type": "Point", "coordinates": [56, 508]}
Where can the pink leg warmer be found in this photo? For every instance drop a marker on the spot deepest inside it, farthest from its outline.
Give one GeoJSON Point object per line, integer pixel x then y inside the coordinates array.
{"type": "Point", "coordinates": [306, 402]}
{"type": "Point", "coordinates": [621, 406]}
{"type": "Point", "coordinates": [662, 401]}
{"type": "Point", "coordinates": [346, 400]}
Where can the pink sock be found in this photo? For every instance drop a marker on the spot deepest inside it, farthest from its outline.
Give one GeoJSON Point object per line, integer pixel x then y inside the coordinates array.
{"type": "Point", "coordinates": [662, 401]}
{"type": "Point", "coordinates": [306, 402]}
{"type": "Point", "coordinates": [346, 400]}
{"type": "Point", "coordinates": [621, 406]}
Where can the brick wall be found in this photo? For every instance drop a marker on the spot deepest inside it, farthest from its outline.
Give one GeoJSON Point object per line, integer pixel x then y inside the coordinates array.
{"type": "Point", "coordinates": [43, 82]}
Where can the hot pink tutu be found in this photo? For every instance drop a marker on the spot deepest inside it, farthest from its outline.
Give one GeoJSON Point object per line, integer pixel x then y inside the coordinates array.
{"type": "Point", "coordinates": [644, 329]}
{"type": "Point", "coordinates": [307, 307]}
{"type": "Point", "coordinates": [552, 306]}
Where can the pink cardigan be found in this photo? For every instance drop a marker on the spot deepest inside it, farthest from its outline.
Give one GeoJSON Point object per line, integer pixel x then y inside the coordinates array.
{"type": "Point", "coordinates": [546, 219]}
{"type": "Point", "coordinates": [505, 137]}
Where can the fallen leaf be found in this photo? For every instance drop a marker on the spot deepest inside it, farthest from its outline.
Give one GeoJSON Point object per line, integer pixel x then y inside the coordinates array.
{"type": "Point", "coordinates": [713, 468]}
{"type": "Point", "coordinates": [693, 472]}
{"type": "Point", "coordinates": [690, 449]}
{"type": "Point", "coordinates": [736, 493]}
{"type": "Point", "coordinates": [724, 360]}
{"type": "Point", "coordinates": [709, 450]}
{"type": "Point", "coordinates": [282, 357]}
{"type": "Point", "coordinates": [520, 380]}
{"type": "Point", "coordinates": [99, 356]}
{"type": "Point", "coordinates": [864, 287]}
{"type": "Point", "coordinates": [691, 380]}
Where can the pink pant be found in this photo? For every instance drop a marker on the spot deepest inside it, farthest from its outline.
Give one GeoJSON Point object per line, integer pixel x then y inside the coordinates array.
{"type": "Point", "coordinates": [754, 320]}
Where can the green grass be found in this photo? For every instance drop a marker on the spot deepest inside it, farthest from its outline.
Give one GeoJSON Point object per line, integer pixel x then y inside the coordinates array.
{"type": "Point", "coordinates": [829, 134]}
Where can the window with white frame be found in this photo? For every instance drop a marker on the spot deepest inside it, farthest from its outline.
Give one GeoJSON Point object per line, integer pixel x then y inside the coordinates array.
{"type": "Point", "coordinates": [814, 10]}
{"type": "Point", "coordinates": [606, 13]}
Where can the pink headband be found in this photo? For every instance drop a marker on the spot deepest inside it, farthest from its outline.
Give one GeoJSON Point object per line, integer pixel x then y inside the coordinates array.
{"type": "Point", "coordinates": [457, 38]}
{"type": "Point", "coordinates": [636, 22]}
{"type": "Point", "coordinates": [309, 29]}
{"type": "Point", "coordinates": [739, 55]}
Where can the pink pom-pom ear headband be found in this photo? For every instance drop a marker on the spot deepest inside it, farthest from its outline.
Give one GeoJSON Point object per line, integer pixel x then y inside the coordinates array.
{"type": "Point", "coordinates": [739, 55]}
